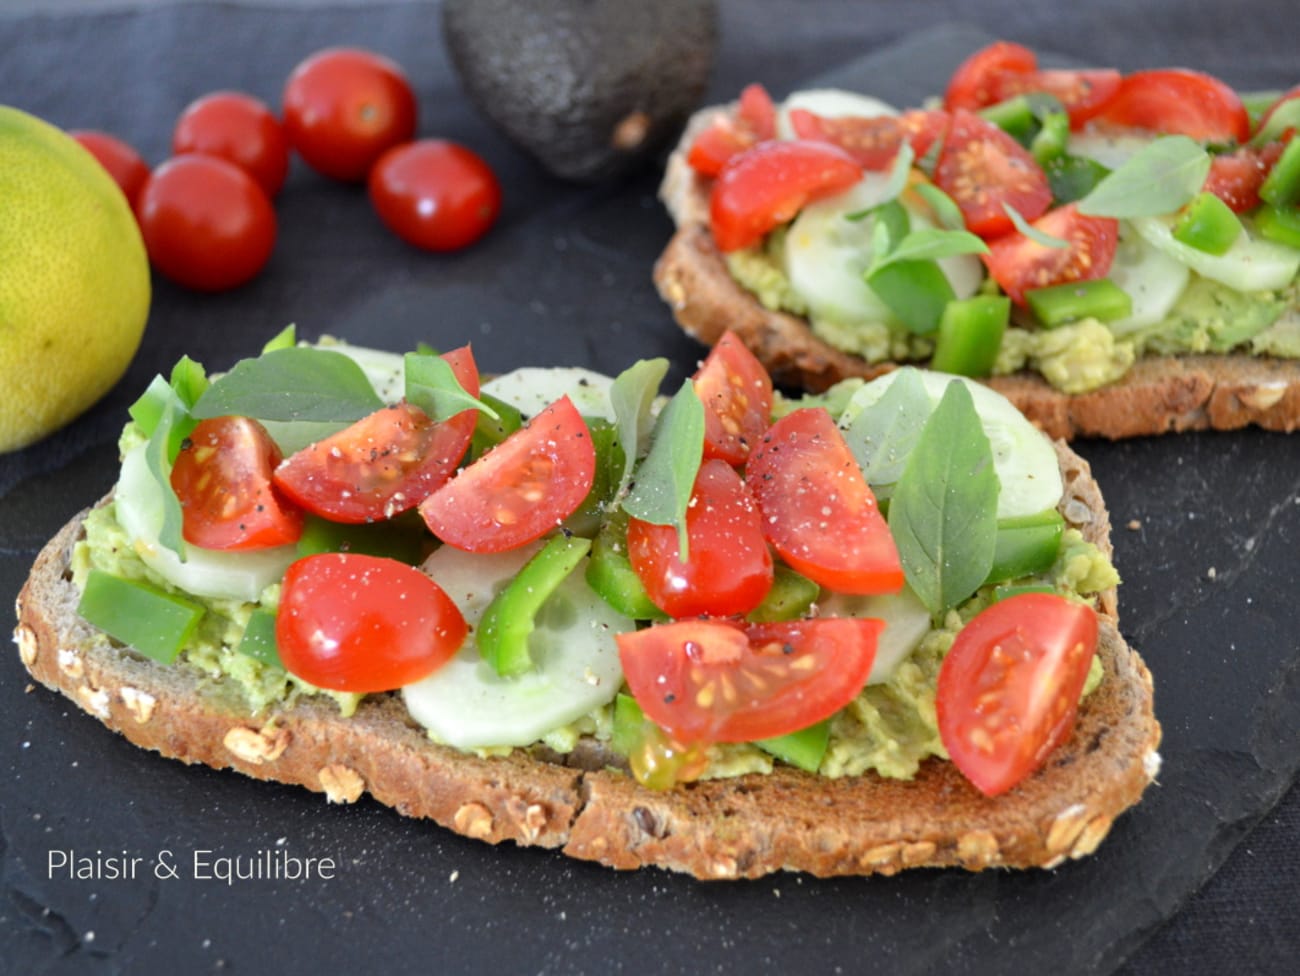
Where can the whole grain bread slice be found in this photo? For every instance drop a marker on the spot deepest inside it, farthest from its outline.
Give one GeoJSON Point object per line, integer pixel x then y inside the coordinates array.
{"type": "Point", "coordinates": [1158, 395]}
{"type": "Point", "coordinates": [586, 806]}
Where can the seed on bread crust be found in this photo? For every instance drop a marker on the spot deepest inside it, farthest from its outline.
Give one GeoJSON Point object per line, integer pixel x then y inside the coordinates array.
{"type": "Point", "coordinates": [257, 747]}
{"type": "Point", "coordinates": [473, 820]}
{"type": "Point", "coordinates": [94, 700]}
{"type": "Point", "coordinates": [1093, 834]}
{"type": "Point", "coordinates": [70, 664]}
{"type": "Point", "coordinates": [28, 645]}
{"type": "Point", "coordinates": [978, 848]}
{"type": "Point", "coordinates": [342, 784]}
{"type": "Point", "coordinates": [1263, 396]}
{"type": "Point", "coordinates": [140, 704]}
{"type": "Point", "coordinates": [1066, 828]}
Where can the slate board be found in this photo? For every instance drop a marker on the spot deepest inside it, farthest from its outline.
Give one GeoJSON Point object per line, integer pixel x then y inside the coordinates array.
{"type": "Point", "coordinates": [1208, 598]}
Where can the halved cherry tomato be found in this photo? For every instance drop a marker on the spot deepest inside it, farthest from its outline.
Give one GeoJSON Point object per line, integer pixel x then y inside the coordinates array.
{"type": "Point", "coordinates": [1177, 101]}
{"type": "Point", "coordinates": [385, 463]}
{"type": "Point", "coordinates": [1235, 177]}
{"type": "Point", "coordinates": [240, 129]}
{"type": "Point", "coordinates": [714, 681]}
{"type": "Point", "coordinates": [982, 168]}
{"type": "Point", "coordinates": [1008, 690]}
{"type": "Point", "coordinates": [737, 394]}
{"type": "Point", "coordinates": [727, 136]}
{"type": "Point", "coordinates": [1083, 93]}
{"type": "Point", "coordinates": [769, 184]}
{"type": "Point", "coordinates": [872, 142]}
{"type": "Point", "coordinates": [521, 489]}
{"type": "Point", "coordinates": [222, 477]}
{"type": "Point", "coordinates": [818, 511]}
{"type": "Point", "coordinates": [974, 84]}
{"type": "Point", "coordinates": [349, 622]}
{"type": "Point", "coordinates": [123, 163]}
{"type": "Point", "coordinates": [1018, 263]}
{"type": "Point", "coordinates": [729, 568]}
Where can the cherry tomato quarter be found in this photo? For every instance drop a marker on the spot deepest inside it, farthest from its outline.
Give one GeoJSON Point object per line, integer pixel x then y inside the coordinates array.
{"type": "Point", "coordinates": [730, 135]}
{"type": "Point", "coordinates": [729, 568]}
{"type": "Point", "coordinates": [1235, 177]}
{"type": "Point", "coordinates": [383, 464]}
{"type": "Point", "coordinates": [206, 223]}
{"type": "Point", "coordinates": [716, 681]}
{"type": "Point", "coordinates": [349, 622]}
{"type": "Point", "coordinates": [770, 183]}
{"type": "Point", "coordinates": [239, 129]}
{"type": "Point", "coordinates": [521, 489]}
{"type": "Point", "coordinates": [976, 81]}
{"type": "Point", "coordinates": [1008, 690]}
{"type": "Point", "coordinates": [872, 142]}
{"type": "Point", "coordinates": [818, 511]}
{"type": "Point", "coordinates": [222, 477]}
{"type": "Point", "coordinates": [1083, 93]}
{"type": "Point", "coordinates": [123, 163]}
{"type": "Point", "coordinates": [435, 194]}
{"type": "Point", "coordinates": [1178, 101]}
{"type": "Point", "coordinates": [1018, 263]}
{"type": "Point", "coordinates": [344, 108]}
{"type": "Point", "coordinates": [982, 168]}
{"type": "Point", "coordinates": [736, 391]}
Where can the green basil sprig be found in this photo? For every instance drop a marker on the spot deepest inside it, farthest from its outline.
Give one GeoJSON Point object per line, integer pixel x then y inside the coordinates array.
{"type": "Point", "coordinates": [1157, 179]}
{"type": "Point", "coordinates": [883, 435]}
{"type": "Point", "coordinates": [296, 383]}
{"type": "Point", "coordinates": [431, 385]}
{"type": "Point", "coordinates": [662, 491]}
{"type": "Point", "coordinates": [632, 397]}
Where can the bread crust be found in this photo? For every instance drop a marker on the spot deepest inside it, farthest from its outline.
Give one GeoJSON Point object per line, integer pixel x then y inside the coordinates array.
{"type": "Point", "coordinates": [1159, 394]}
{"type": "Point", "coordinates": [742, 827]}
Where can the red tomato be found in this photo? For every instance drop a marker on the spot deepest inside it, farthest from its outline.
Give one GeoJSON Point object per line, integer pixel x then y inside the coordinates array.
{"type": "Point", "coordinates": [1291, 95]}
{"type": "Point", "coordinates": [435, 194]}
{"type": "Point", "coordinates": [769, 184]}
{"type": "Point", "coordinates": [982, 168]}
{"type": "Point", "coordinates": [123, 163]}
{"type": "Point", "coordinates": [1009, 688]}
{"type": "Point", "coordinates": [1176, 101]}
{"type": "Point", "coordinates": [1235, 178]}
{"type": "Point", "coordinates": [1019, 264]}
{"type": "Point", "coordinates": [222, 477]}
{"type": "Point", "coordinates": [385, 463]}
{"type": "Point", "coordinates": [344, 108]}
{"type": "Point", "coordinates": [737, 395]}
{"type": "Point", "coordinates": [206, 223]}
{"type": "Point", "coordinates": [727, 136]}
{"type": "Point", "coordinates": [349, 622]}
{"type": "Point", "coordinates": [872, 142]}
{"type": "Point", "coordinates": [818, 511]}
{"type": "Point", "coordinates": [240, 129]}
{"type": "Point", "coordinates": [521, 489]}
{"type": "Point", "coordinates": [714, 681]}
{"type": "Point", "coordinates": [1083, 93]}
{"type": "Point", "coordinates": [729, 568]}
{"type": "Point", "coordinates": [975, 82]}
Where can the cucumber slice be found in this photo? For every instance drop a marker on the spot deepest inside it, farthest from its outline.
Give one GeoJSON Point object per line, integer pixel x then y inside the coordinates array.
{"type": "Point", "coordinates": [533, 388]}
{"type": "Point", "coordinates": [1252, 263]}
{"type": "Point", "coordinates": [205, 572]}
{"type": "Point", "coordinates": [466, 704]}
{"type": "Point", "coordinates": [1153, 280]}
{"type": "Point", "coordinates": [1111, 149]}
{"type": "Point", "coordinates": [906, 619]}
{"type": "Point", "coordinates": [826, 255]}
{"type": "Point", "coordinates": [1023, 456]}
{"type": "Point", "coordinates": [831, 103]}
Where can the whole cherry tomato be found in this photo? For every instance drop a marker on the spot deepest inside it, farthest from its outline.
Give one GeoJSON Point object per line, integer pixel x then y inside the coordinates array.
{"type": "Point", "coordinates": [344, 107]}
{"type": "Point", "coordinates": [206, 223]}
{"type": "Point", "coordinates": [238, 128]}
{"type": "Point", "coordinates": [435, 194]}
{"type": "Point", "coordinates": [123, 163]}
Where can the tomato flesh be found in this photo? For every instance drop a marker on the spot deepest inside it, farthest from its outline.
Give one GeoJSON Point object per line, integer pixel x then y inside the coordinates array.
{"type": "Point", "coordinates": [1083, 93]}
{"type": "Point", "coordinates": [1178, 101]}
{"type": "Point", "coordinates": [1235, 178]}
{"type": "Point", "coordinates": [1008, 690]}
{"type": "Point", "coordinates": [818, 511]}
{"type": "Point", "coordinates": [727, 136]}
{"type": "Point", "coordinates": [982, 168]}
{"type": "Point", "coordinates": [1018, 263]}
{"type": "Point", "coordinates": [240, 129]}
{"type": "Point", "coordinates": [769, 184]}
{"type": "Point", "coordinates": [222, 477]}
{"type": "Point", "coordinates": [435, 194]}
{"type": "Point", "coordinates": [716, 681]}
{"type": "Point", "coordinates": [521, 489]}
{"type": "Point", "coordinates": [349, 622]}
{"type": "Point", "coordinates": [385, 463]}
{"type": "Point", "coordinates": [872, 142]}
{"type": "Point", "coordinates": [736, 391]}
{"type": "Point", "coordinates": [728, 569]}
{"type": "Point", "coordinates": [975, 82]}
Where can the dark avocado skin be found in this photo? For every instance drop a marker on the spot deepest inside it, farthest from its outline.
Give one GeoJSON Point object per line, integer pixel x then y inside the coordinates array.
{"type": "Point", "coordinates": [590, 88]}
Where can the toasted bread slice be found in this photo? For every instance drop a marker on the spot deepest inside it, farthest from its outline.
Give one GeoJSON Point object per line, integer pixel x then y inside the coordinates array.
{"type": "Point", "coordinates": [1159, 394]}
{"type": "Point", "coordinates": [582, 804]}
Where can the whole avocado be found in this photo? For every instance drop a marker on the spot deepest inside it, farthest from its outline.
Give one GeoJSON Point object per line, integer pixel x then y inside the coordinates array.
{"type": "Point", "coordinates": [587, 87]}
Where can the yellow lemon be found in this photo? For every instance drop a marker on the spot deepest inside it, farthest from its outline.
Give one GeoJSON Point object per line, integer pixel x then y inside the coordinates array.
{"type": "Point", "coordinates": [74, 280]}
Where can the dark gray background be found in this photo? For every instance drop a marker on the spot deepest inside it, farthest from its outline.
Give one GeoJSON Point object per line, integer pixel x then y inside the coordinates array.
{"type": "Point", "coordinates": [564, 278]}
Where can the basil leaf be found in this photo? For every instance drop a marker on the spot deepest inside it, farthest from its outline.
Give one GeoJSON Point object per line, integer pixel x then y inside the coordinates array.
{"type": "Point", "coordinates": [943, 514]}
{"type": "Point", "coordinates": [174, 424]}
{"type": "Point", "coordinates": [286, 338]}
{"type": "Point", "coordinates": [431, 385]}
{"type": "Point", "coordinates": [1030, 231]}
{"type": "Point", "coordinates": [663, 485]}
{"type": "Point", "coordinates": [189, 380]}
{"type": "Point", "coordinates": [1157, 179]}
{"type": "Point", "coordinates": [900, 170]}
{"type": "Point", "coordinates": [632, 396]}
{"type": "Point", "coordinates": [929, 244]}
{"type": "Point", "coordinates": [299, 383]}
{"type": "Point", "coordinates": [945, 208]}
{"type": "Point", "coordinates": [883, 435]}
